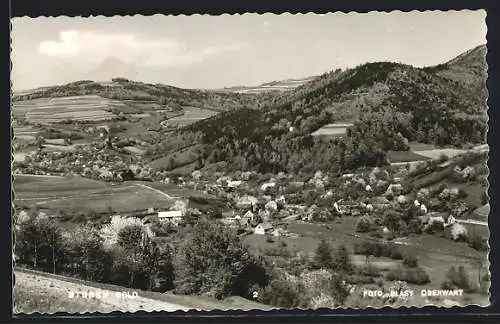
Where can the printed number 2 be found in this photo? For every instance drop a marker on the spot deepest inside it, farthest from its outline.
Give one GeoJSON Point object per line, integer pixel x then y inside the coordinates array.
{"type": "Point", "coordinates": [255, 294]}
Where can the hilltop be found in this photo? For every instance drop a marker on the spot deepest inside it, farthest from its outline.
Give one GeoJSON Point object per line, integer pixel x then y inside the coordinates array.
{"type": "Point", "coordinates": [127, 90]}
{"type": "Point", "coordinates": [391, 104]}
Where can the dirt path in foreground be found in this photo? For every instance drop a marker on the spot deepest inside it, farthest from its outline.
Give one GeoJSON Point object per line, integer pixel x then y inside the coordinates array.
{"type": "Point", "coordinates": [106, 299]}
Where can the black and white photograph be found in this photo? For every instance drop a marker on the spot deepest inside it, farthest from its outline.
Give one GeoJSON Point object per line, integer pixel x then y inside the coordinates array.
{"type": "Point", "coordinates": [249, 162]}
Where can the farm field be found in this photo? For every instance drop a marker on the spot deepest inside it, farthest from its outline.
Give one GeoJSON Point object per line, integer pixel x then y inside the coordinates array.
{"type": "Point", "coordinates": [58, 148]}
{"type": "Point", "coordinates": [405, 156]}
{"type": "Point", "coordinates": [431, 250]}
{"type": "Point", "coordinates": [89, 108]}
{"type": "Point", "coordinates": [415, 146]}
{"type": "Point", "coordinates": [191, 115]}
{"type": "Point", "coordinates": [332, 130]}
{"type": "Point", "coordinates": [19, 156]}
{"type": "Point", "coordinates": [435, 154]}
{"type": "Point", "coordinates": [68, 193]}
{"type": "Point", "coordinates": [172, 190]}
{"type": "Point", "coordinates": [134, 150]}
{"type": "Point", "coordinates": [176, 159]}
{"type": "Point", "coordinates": [422, 152]}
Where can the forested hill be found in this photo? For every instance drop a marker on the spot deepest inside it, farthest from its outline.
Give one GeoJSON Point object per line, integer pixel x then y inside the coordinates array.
{"type": "Point", "coordinates": [391, 104]}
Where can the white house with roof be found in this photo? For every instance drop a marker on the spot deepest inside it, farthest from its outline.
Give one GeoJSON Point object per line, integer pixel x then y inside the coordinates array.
{"type": "Point", "coordinates": [263, 228]}
{"type": "Point", "coordinates": [172, 216]}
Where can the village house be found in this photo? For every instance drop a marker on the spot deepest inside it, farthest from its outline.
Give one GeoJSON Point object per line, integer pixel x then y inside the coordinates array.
{"type": "Point", "coordinates": [394, 189]}
{"type": "Point", "coordinates": [173, 217]}
{"type": "Point", "coordinates": [249, 215]}
{"type": "Point", "coordinates": [244, 222]}
{"type": "Point", "coordinates": [234, 184]}
{"type": "Point", "coordinates": [263, 228]}
{"type": "Point", "coordinates": [247, 202]}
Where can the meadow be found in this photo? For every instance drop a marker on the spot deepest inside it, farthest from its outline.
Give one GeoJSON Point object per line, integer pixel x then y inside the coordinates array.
{"type": "Point", "coordinates": [191, 115]}
{"type": "Point", "coordinates": [85, 195]}
{"type": "Point", "coordinates": [53, 110]}
{"type": "Point", "coordinates": [435, 253]}
{"type": "Point", "coordinates": [332, 130]}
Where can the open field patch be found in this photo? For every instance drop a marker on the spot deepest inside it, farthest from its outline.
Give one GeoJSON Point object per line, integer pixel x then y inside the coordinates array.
{"type": "Point", "coordinates": [336, 129]}
{"type": "Point", "coordinates": [191, 115]}
{"type": "Point", "coordinates": [58, 148]}
{"type": "Point", "coordinates": [40, 186]}
{"type": "Point", "coordinates": [422, 147]}
{"type": "Point", "coordinates": [405, 156]}
{"type": "Point", "coordinates": [172, 190]}
{"type": "Point", "coordinates": [435, 154]}
{"type": "Point", "coordinates": [134, 150]}
{"type": "Point", "coordinates": [140, 115]}
{"type": "Point", "coordinates": [51, 110]}
{"type": "Point", "coordinates": [119, 198]}
{"type": "Point", "coordinates": [176, 159]}
{"type": "Point", "coordinates": [24, 137]}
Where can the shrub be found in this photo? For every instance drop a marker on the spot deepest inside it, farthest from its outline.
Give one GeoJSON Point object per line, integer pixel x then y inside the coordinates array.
{"type": "Point", "coordinates": [415, 276]}
{"type": "Point", "coordinates": [283, 294]}
{"type": "Point", "coordinates": [323, 257]}
{"type": "Point", "coordinates": [457, 279]}
{"type": "Point", "coordinates": [377, 249]}
{"type": "Point", "coordinates": [410, 262]}
{"type": "Point", "coordinates": [442, 158]}
{"type": "Point", "coordinates": [415, 226]}
{"type": "Point", "coordinates": [434, 227]}
{"type": "Point", "coordinates": [396, 254]}
{"type": "Point", "coordinates": [478, 243]}
{"type": "Point", "coordinates": [369, 271]}
{"type": "Point", "coordinates": [365, 224]}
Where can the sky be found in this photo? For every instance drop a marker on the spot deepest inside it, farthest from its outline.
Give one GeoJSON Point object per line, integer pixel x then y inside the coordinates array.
{"type": "Point", "coordinates": [221, 51]}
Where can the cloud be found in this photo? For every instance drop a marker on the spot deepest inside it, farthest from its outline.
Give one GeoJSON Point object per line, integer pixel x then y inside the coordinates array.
{"type": "Point", "coordinates": [97, 46]}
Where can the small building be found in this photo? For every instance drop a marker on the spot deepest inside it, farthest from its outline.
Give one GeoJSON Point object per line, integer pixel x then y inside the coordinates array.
{"type": "Point", "coordinates": [267, 185]}
{"type": "Point", "coordinates": [249, 215]}
{"type": "Point", "coordinates": [247, 202]}
{"type": "Point", "coordinates": [394, 189]}
{"type": "Point", "coordinates": [172, 216]}
{"type": "Point", "coordinates": [234, 184]}
{"type": "Point", "coordinates": [450, 221]}
{"type": "Point", "coordinates": [263, 228]}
